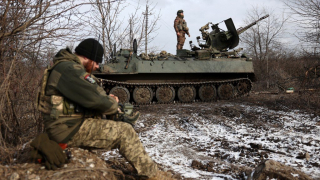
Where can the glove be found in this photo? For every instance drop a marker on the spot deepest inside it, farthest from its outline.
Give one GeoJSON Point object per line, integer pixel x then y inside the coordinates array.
{"type": "Point", "coordinates": [131, 119]}
{"type": "Point", "coordinates": [50, 151]}
{"type": "Point", "coordinates": [35, 155]}
{"type": "Point", "coordinates": [124, 115]}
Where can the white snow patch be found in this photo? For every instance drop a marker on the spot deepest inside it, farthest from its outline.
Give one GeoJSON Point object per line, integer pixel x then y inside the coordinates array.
{"type": "Point", "coordinates": [198, 138]}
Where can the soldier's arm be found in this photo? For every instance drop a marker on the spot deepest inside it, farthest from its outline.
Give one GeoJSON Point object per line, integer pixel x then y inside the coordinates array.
{"type": "Point", "coordinates": [187, 31]}
{"type": "Point", "coordinates": [176, 22]}
{"type": "Point", "coordinates": [74, 83]}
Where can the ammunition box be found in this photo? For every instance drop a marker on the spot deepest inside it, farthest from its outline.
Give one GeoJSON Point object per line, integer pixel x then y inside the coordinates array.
{"type": "Point", "coordinates": [203, 55]}
{"type": "Point", "coordinates": [183, 52]}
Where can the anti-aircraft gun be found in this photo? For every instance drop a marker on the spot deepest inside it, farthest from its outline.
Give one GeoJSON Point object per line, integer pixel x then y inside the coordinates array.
{"type": "Point", "coordinates": [205, 73]}
{"type": "Point", "coordinates": [218, 41]}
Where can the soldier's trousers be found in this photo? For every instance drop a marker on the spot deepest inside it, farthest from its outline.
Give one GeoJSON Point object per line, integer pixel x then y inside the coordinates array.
{"type": "Point", "coordinates": [181, 39]}
{"type": "Point", "coordinates": [108, 134]}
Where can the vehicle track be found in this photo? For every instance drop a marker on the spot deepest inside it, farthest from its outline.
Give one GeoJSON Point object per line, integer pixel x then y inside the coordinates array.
{"type": "Point", "coordinates": [168, 93]}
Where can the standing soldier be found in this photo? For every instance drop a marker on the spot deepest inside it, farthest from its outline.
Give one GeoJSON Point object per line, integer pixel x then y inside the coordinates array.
{"type": "Point", "coordinates": [180, 26]}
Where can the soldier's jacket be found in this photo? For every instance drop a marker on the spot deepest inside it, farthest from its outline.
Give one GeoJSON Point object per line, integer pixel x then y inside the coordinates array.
{"type": "Point", "coordinates": [71, 95]}
{"type": "Point", "coordinates": [180, 25]}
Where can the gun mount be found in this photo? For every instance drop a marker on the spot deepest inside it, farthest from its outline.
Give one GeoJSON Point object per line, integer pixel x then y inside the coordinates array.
{"type": "Point", "coordinates": [206, 73]}
{"type": "Point", "coordinates": [218, 41]}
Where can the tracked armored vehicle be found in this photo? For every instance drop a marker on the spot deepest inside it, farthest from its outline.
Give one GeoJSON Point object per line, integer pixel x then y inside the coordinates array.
{"type": "Point", "coordinates": [212, 71]}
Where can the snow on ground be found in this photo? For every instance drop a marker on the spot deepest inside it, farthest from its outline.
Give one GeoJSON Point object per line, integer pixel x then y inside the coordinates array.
{"type": "Point", "coordinates": [227, 134]}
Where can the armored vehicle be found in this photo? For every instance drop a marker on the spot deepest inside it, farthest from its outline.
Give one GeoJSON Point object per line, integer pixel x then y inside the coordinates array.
{"type": "Point", "coordinates": [214, 70]}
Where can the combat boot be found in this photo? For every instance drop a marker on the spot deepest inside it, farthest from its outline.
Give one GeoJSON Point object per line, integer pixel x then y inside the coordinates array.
{"type": "Point", "coordinates": [161, 175]}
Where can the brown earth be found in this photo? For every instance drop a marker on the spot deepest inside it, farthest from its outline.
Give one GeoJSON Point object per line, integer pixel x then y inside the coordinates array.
{"type": "Point", "coordinates": [88, 164]}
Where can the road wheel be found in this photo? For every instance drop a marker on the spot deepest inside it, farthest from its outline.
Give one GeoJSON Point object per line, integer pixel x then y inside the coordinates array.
{"type": "Point", "coordinates": [226, 91]}
{"type": "Point", "coordinates": [187, 93]}
{"type": "Point", "coordinates": [243, 87]}
{"type": "Point", "coordinates": [142, 95]}
{"type": "Point", "coordinates": [207, 93]}
{"type": "Point", "coordinates": [122, 93]}
{"type": "Point", "coordinates": [165, 94]}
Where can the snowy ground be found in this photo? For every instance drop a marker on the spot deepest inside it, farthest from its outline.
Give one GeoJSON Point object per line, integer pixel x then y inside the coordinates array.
{"type": "Point", "coordinates": [224, 140]}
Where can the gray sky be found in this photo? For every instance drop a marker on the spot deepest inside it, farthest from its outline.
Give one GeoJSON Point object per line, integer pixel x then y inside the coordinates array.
{"type": "Point", "coordinates": [198, 13]}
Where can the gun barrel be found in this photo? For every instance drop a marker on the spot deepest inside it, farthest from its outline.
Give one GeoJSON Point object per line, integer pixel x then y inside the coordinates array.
{"type": "Point", "coordinates": [243, 29]}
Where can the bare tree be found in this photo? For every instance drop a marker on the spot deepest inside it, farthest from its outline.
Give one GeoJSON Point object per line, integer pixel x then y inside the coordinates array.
{"type": "Point", "coordinates": [150, 27]}
{"type": "Point", "coordinates": [306, 15]}
{"type": "Point", "coordinates": [108, 20]}
{"type": "Point", "coordinates": [104, 20]}
{"type": "Point", "coordinates": [29, 31]}
{"type": "Point", "coordinates": [262, 40]}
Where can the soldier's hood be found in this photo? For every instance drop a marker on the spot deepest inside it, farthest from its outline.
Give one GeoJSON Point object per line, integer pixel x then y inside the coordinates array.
{"type": "Point", "coordinates": [65, 55]}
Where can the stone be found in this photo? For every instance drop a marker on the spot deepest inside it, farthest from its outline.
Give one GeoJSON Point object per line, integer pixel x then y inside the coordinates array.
{"type": "Point", "coordinates": [307, 155]}
{"type": "Point", "coordinates": [271, 169]}
{"type": "Point", "coordinates": [33, 177]}
{"type": "Point", "coordinates": [195, 164]}
{"type": "Point", "coordinates": [14, 176]}
{"type": "Point", "coordinates": [255, 146]}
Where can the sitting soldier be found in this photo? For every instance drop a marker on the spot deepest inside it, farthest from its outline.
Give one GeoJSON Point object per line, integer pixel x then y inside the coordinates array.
{"type": "Point", "coordinates": [72, 104]}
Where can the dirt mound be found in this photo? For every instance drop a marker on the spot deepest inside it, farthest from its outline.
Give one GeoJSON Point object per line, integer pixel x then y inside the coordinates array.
{"type": "Point", "coordinates": [271, 169]}
{"type": "Point", "coordinates": [83, 165]}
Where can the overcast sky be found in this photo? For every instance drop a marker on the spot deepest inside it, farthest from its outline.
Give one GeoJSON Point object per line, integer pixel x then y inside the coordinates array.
{"type": "Point", "coordinates": [199, 12]}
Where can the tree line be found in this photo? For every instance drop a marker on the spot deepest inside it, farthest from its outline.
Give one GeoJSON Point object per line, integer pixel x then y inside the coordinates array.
{"type": "Point", "coordinates": [277, 62]}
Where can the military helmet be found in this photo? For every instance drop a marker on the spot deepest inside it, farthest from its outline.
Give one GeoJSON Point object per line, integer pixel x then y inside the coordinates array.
{"type": "Point", "coordinates": [141, 54]}
{"type": "Point", "coordinates": [163, 53]}
{"type": "Point", "coordinates": [151, 54]}
{"type": "Point", "coordinates": [144, 56]}
{"type": "Point", "coordinates": [180, 11]}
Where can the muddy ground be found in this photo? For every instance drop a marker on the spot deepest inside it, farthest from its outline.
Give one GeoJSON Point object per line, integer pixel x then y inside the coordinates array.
{"type": "Point", "coordinates": [228, 139]}
{"type": "Point", "coordinates": [217, 140]}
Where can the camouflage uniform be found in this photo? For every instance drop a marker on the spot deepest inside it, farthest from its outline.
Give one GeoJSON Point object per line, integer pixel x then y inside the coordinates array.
{"type": "Point", "coordinates": [72, 104]}
{"type": "Point", "coordinates": [163, 55]}
{"type": "Point", "coordinates": [107, 134]}
{"type": "Point", "coordinates": [180, 26]}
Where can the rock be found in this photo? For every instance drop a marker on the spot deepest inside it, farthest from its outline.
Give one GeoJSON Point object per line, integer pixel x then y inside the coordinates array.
{"type": "Point", "coordinates": [195, 164]}
{"type": "Point", "coordinates": [210, 167]}
{"type": "Point", "coordinates": [271, 169]}
{"type": "Point", "coordinates": [300, 155]}
{"type": "Point", "coordinates": [33, 177]}
{"type": "Point", "coordinates": [89, 160]}
{"type": "Point", "coordinates": [14, 176]}
{"type": "Point", "coordinates": [303, 156]}
{"type": "Point", "coordinates": [307, 155]}
{"type": "Point", "coordinates": [255, 146]}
